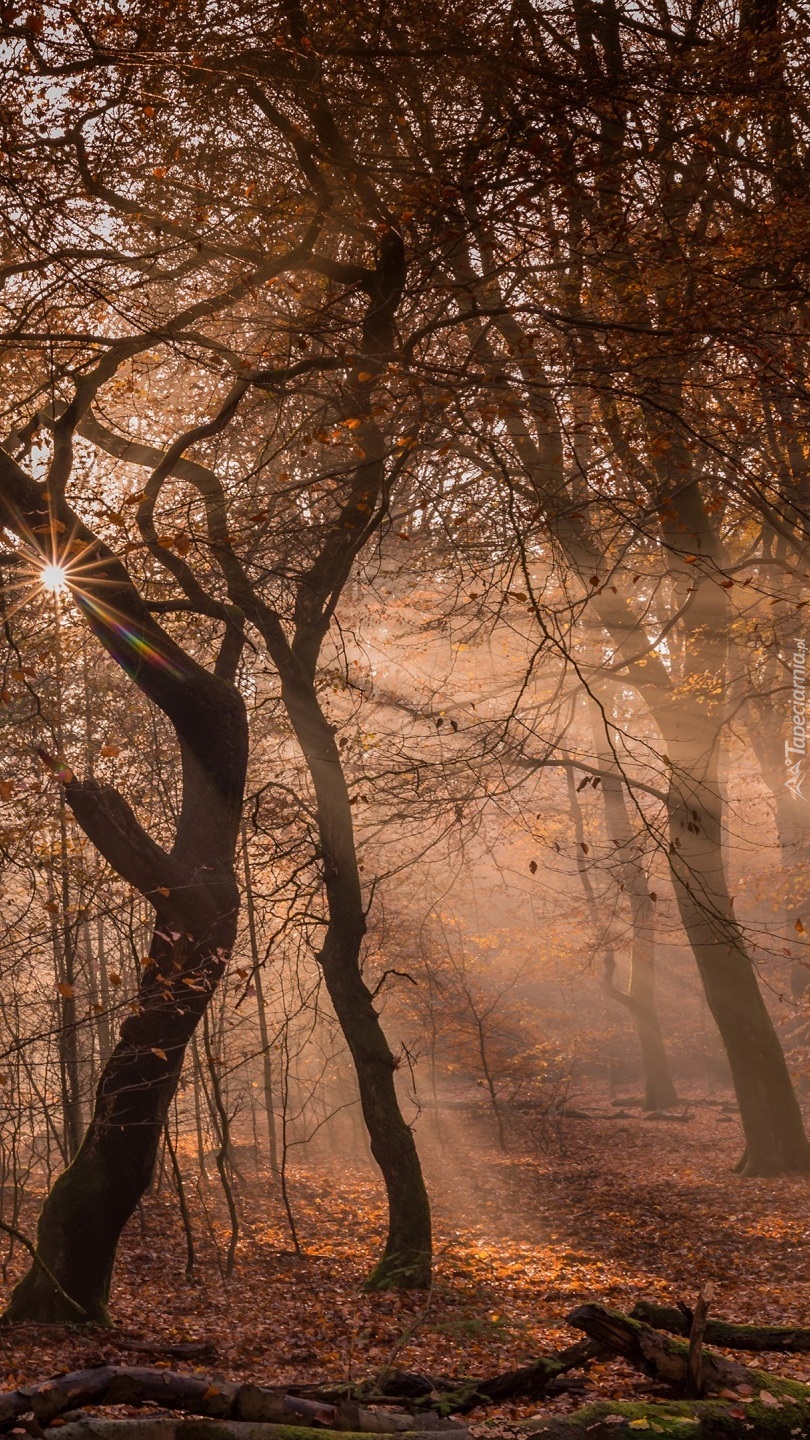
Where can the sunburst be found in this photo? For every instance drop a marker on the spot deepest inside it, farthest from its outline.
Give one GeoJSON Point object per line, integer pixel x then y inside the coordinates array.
{"type": "Point", "coordinates": [72, 567]}
{"type": "Point", "coordinates": [53, 577]}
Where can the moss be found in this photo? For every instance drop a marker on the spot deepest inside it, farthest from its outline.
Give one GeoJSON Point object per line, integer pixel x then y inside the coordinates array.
{"type": "Point", "coordinates": [689, 1419]}
{"type": "Point", "coordinates": [204, 1429]}
{"type": "Point", "coordinates": [400, 1270]}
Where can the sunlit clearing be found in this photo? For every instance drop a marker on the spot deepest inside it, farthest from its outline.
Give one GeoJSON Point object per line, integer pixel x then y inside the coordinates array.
{"type": "Point", "coordinates": [53, 577]}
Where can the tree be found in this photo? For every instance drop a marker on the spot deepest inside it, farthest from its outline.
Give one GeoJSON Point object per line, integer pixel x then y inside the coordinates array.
{"type": "Point", "coordinates": [320, 520]}
{"type": "Point", "coordinates": [191, 887]}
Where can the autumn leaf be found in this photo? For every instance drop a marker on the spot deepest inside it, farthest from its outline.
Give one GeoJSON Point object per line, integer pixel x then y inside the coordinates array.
{"type": "Point", "coordinates": [65, 990]}
{"type": "Point", "coordinates": [161, 1054]}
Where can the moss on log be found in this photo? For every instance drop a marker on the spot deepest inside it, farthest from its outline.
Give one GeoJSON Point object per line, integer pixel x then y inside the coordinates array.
{"type": "Point", "coordinates": [607, 1420]}
{"type": "Point", "coordinates": [727, 1334]}
{"type": "Point", "coordinates": [678, 1419]}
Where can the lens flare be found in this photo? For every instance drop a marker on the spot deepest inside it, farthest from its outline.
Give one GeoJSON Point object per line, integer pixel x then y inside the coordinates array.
{"type": "Point", "coordinates": [53, 577]}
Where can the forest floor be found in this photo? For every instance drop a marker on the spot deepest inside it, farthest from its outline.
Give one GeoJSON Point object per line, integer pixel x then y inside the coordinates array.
{"type": "Point", "coordinates": [611, 1210]}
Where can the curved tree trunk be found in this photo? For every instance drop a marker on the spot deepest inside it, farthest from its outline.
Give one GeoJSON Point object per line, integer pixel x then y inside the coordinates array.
{"type": "Point", "coordinates": [194, 894]}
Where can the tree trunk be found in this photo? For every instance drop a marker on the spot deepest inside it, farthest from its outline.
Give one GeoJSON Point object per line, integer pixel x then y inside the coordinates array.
{"type": "Point", "coordinates": [87, 1208]}
{"type": "Point", "coordinates": [191, 889]}
{"type": "Point", "coordinates": [264, 1036]}
{"type": "Point", "coordinates": [406, 1259]}
{"type": "Point", "coordinates": [659, 1087]}
{"type": "Point", "coordinates": [792, 817]}
{"type": "Point", "coordinates": [769, 1110]}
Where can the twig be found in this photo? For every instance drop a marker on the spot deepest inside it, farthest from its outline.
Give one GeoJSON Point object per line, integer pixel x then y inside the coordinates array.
{"type": "Point", "coordinates": [406, 1335]}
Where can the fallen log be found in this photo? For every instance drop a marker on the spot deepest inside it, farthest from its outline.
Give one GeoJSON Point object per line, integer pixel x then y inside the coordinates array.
{"type": "Point", "coordinates": [606, 1420]}
{"type": "Point", "coordinates": [459, 1396]}
{"type": "Point", "coordinates": [179, 1350]}
{"type": "Point", "coordinates": [160, 1427]}
{"type": "Point", "coordinates": [678, 1419]}
{"type": "Point", "coordinates": [648, 1350]}
{"type": "Point", "coordinates": [748, 1402]}
{"type": "Point", "coordinates": [743, 1401]}
{"type": "Point", "coordinates": [529, 1382]}
{"type": "Point", "coordinates": [217, 1398]}
{"type": "Point", "coordinates": [676, 1320]}
{"type": "Point", "coordinates": [303, 1406]}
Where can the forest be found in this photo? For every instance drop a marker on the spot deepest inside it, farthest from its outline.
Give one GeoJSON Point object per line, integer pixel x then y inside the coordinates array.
{"type": "Point", "coordinates": [404, 799]}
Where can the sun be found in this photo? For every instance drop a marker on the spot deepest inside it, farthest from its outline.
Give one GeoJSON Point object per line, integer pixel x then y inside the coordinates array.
{"type": "Point", "coordinates": [53, 577]}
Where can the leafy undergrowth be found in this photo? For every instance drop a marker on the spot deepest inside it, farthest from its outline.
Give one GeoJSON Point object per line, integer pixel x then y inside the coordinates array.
{"type": "Point", "coordinates": [620, 1207]}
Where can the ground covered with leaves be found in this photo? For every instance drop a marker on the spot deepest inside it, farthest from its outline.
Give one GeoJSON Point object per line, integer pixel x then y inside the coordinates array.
{"type": "Point", "coordinates": [612, 1209]}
